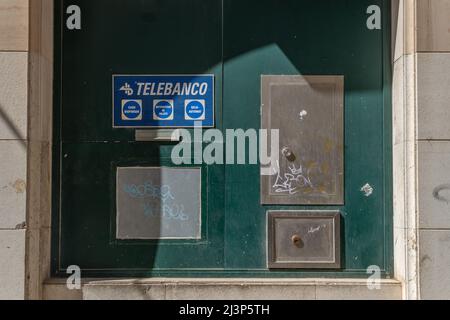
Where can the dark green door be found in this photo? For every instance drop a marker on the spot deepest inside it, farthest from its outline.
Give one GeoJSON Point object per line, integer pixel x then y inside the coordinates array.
{"type": "Point", "coordinates": [237, 42]}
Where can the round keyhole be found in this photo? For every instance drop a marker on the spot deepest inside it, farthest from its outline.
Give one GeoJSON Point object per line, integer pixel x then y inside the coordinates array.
{"type": "Point", "coordinates": [297, 241]}
{"type": "Point", "coordinates": [288, 154]}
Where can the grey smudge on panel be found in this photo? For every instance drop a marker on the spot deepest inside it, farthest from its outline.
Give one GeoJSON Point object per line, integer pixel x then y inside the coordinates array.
{"type": "Point", "coordinates": [158, 203]}
{"type": "Point", "coordinates": [437, 193]}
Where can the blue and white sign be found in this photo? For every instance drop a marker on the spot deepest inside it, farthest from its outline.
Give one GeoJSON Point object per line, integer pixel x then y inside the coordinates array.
{"type": "Point", "coordinates": [163, 101]}
{"type": "Point", "coordinates": [194, 110]}
{"type": "Point", "coordinates": [131, 110]}
{"type": "Point", "coordinates": [162, 109]}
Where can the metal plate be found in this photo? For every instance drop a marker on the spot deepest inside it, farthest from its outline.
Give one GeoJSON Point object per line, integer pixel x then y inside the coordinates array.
{"type": "Point", "coordinates": [308, 112]}
{"type": "Point", "coordinates": [158, 203]}
{"type": "Point", "coordinates": [303, 239]}
{"type": "Point", "coordinates": [158, 135]}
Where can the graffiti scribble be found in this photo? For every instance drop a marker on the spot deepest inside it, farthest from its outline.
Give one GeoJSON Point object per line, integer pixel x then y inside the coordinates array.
{"type": "Point", "coordinates": [290, 182]}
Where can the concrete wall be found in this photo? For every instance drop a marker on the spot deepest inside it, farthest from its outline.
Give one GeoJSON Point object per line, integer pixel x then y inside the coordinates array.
{"type": "Point", "coordinates": [40, 103]}
{"type": "Point", "coordinates": [421, 104]}
{"type": "Point", "coordinates": [433, 140]}
{"type": "Point", "coordinates": [404, 147]}
{"type": "Point", "coordinates": [13, 145]}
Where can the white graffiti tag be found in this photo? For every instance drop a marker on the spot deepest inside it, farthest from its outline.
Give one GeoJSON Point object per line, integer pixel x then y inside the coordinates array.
{"type": "Point", "coordinates": [291, 181]}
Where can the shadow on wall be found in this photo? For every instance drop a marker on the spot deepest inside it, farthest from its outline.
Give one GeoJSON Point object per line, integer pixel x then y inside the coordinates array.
{"type": "Point", "coordinates": [12, 127]}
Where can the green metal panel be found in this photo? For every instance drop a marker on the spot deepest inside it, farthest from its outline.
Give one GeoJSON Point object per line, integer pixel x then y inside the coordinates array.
{"type": "Point", "coordinates": [309, 38]}
{"type": "Point", "coordinates": [238, 41]}
{"type": "Point", "coordinates": [126, 37]}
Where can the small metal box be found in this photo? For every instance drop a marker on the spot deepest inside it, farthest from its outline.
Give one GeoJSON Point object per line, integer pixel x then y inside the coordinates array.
{"type": "Point", "coordinates": [303, 239]}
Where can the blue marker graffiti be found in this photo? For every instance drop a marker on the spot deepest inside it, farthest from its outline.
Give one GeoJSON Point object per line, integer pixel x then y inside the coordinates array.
{"type": "Point", "coordinates": [167, 208]}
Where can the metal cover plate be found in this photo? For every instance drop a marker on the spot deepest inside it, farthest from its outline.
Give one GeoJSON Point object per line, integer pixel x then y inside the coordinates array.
{"type": "Point", "coordinates": [303, 239]}
{"type": "Point", "coordinates": [308, 112]}
{"type": "Point", "coordinates": [158, 203]}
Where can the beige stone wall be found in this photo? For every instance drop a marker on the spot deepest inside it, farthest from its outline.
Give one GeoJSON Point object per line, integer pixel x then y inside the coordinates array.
{"type": "Point", "coordinates": [40, 93]}
{"type": "Point", "coordinates": [404, 147]}
{"type": "Point", "coordinates": [13, 145]}
{"type": "Point", "coordinates": [433, 140]}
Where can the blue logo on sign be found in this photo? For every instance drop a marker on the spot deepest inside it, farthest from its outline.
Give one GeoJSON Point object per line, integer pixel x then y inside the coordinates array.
{"type": "Point", "coordinates": [163, 110]}
{"type": "Point", "coordinates": [132, 109]}
{"type": "Point", "coordinates": [195, 109]}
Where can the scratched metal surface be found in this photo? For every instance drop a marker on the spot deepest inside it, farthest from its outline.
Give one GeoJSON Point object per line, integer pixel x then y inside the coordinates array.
{"type": "Point", "coordinates": [308, 112]}
{"type": "Point", "coordinates": [158, 203]}
{"type": "Point", "coordinates": [303, 239]}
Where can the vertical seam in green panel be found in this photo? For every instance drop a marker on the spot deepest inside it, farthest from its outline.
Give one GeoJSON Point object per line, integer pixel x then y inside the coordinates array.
{"type": "Point", "coordinates": [387, 116]}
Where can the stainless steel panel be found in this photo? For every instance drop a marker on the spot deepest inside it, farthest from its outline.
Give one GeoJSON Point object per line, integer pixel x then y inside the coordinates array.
{"type": "Point", "coordinates": [158, 203]}
{"type": "Point", "coordinates": [303, 239]}
{"type": "Point", "coordinates": [309, 113]}
{"type": "Point", "coordinates": [161, 135]}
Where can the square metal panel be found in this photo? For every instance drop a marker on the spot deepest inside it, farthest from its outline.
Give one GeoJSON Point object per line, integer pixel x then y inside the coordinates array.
{"type": "Point", "coordinates": [308, 111]}
{"type": "Point", "coordinates": [303, 239]}
{"type": "Point", "coordinates": [158, 203]}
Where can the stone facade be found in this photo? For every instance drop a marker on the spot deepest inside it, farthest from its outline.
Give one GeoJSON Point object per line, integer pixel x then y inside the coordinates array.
{"type": "Point", "coordinates": [13, 145]}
